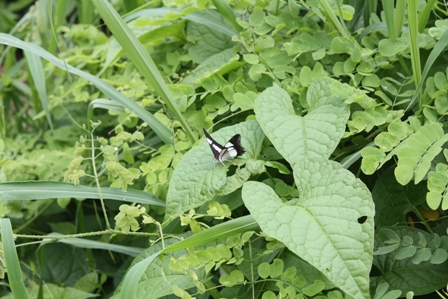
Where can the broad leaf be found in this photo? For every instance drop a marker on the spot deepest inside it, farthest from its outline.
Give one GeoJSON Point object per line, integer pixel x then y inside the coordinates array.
{"type": "Point", "coordinates": [394, 201]}
{"type": "Point", "coordinates": [330, 227]}
{"type": "Point", "coordinates": [198, 177]}
{"type": "Point", "coordinates": [295, 137]}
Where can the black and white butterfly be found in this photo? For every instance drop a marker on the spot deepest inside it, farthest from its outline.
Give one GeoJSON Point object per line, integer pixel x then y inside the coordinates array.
{"type": "Point", "coordinates": [231, 150]}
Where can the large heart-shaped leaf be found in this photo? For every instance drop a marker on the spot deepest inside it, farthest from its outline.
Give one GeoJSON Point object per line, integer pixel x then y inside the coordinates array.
{"type": "Point", "coordinates": [330, 227]}
{"type": "Point", "coordinates": [198, 178]}
{"type": "Point", "coordinates": [295, 137]}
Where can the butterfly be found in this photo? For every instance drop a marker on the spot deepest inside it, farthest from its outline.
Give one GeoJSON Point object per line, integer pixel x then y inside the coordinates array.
{"type": "Point", "coordinates": [231, 150]}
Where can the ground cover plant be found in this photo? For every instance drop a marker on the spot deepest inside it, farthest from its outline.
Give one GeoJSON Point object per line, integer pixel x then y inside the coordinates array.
{"type": "Point", "coordinates": [109, 189]}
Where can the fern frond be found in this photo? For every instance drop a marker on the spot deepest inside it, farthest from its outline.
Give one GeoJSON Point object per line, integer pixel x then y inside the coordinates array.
{"type": "Point", "coordinates": [418, 151]}
{"type": "Point", "coordinates": [438, 187]}
{"type": "Point", "coordinates": [390, 141]}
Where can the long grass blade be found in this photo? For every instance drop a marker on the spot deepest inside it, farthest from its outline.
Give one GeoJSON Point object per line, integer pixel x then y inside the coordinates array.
{"type": "Point", "coordinates": [388, 8]}
{"type": "Point", "coordinates": [227, 12]}
{"type": "Point", "coordinates": [86, 243]}
{"type": "Point", "coordinates": [37, 72]}
{"type": "Point", "coordinates": [140, 57]}
{"type": "Point", "coordinates": [413, 44]}
{"type": "Point", "coordinates": [45, 190]}
{"type": "Point", "coordinates": [12, 261]}
{"type": "Point", "coordinates": [217, 232]}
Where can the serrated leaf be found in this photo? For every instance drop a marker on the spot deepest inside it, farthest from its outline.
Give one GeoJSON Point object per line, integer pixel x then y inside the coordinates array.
{"type": "Point", "coordinates": [198, 178]}
{"type": "Point", "coordinates": [295, 137]}
{"type": "Point", "coordinates": [323, 223]}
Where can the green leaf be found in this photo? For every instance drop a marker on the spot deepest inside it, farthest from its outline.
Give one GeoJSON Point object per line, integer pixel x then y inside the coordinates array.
{"type": "Point", "coordinates": [15, 277]}
{"type": "Point", "coordinates": [220, 63]}
{"type": "Point", "coordinates": [86, 243]}
{"type": "Point", "coordinates": [295, 137]}
{"type": "Point", "coordinates": [243, 101]}
{"type": "Point", "coordinates": [392, 46]}
{"type": "Point", "coordinates": [141, 59]}
{"type": "Point", "coordinates": [256, 71]}
{"type": "Point", "coordinates": [401, 274]}
{"type": "Point", "coordinates": [263, 270]}
{"type": "Point", "coordinates": [60, 266]}
{"type": "Point", "coordinates": [276, 268]}
{"type": "Point", "coordinates": [416, 155]}
{"type": "Point", "coordinates": [375, 158]}
{"type": "Point", "coordinates": [45, 190]}
{"type": "Point", "coordinates": [323, 223]}
{"type": "Point", "coordinates": [37, 72]}
{"type": "Point", "coordinates": [105, 87]}
{"type": "Point", "coordinates": [312, 290]}
{"type": "Point", "coordinates": [372, 158]}
{"type": "Point", "coordinates": [149, 270]}
{"type": "Point", "coordinates": [198, 177]}
{"type": "Point", "coordinates": [437, 186]}
{"type": "Point", "coordinates": [393, 201]}
{"type": "Point", "coordinates": [207, 41]}
{"type": "Point", "coordinates": [217, 232]}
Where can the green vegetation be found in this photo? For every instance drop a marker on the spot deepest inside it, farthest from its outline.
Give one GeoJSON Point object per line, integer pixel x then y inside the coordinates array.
{"type": "Point", "coordinates": [108, 188]}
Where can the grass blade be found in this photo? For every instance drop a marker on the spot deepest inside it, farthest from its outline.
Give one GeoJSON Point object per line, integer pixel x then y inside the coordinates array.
{"type": "Point", "coordinates": [413, 45]}
{"type": "Point", "coordinates": [45, 190]}
{"type": "Point", "coordinates": [37, 72]}
{"type": "Point", "coordinates": [226, 11]}
{"type": "Point", "coordinates": [133, 276]}
{"type": "Point", "coordinates": [217, 232]}
{"type": "Point", "coordinates": [140, 57]}
{"type": "Point", "coordinates": [102, 85]}
{"type": "Point", "coordinates": [86, 243]}
{"type": "Point", "coordinates": [12, 261]}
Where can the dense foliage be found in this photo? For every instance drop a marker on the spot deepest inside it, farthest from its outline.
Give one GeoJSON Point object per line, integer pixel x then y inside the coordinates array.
{"type": "Point", "coordinates": [109, 189]}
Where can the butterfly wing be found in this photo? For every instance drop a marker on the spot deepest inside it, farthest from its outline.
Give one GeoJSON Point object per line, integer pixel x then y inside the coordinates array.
{"type": "Point", "coordinates": [216, 148]}
{"type": "Point", "coordinates": [233, 149]}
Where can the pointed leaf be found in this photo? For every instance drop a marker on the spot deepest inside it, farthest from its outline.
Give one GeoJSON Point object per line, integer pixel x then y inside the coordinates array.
{"type": "Point", "coordinates": [323, 228]}
{"type": "Point", "coordinates": [295, 137]}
